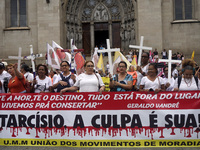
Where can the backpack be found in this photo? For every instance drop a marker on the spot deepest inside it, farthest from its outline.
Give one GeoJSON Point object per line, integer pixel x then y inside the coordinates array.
{"type": "Point", "coordinates": [60, 87]}
{"type": "Point", "coordinates": [180, 78]}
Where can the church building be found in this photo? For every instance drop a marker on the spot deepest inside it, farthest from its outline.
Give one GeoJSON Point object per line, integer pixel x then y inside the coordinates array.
{"type": "Point", "coordinates": [165, 24]}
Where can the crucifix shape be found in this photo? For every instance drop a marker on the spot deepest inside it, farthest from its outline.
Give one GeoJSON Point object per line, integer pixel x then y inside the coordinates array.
{"type": "Point", "coordinates": [141, 47]}
{"type": "Point", "coordinates": [109, 51]}
{"type": "Point", "coordinates": [170, 61]}
{"type": "Point", "coordinates": [19, 57]}
{"type": "Point", "coordinates": [32, 59]}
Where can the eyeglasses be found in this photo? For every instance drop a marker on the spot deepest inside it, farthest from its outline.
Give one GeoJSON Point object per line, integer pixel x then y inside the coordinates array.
{"type": "Point", "coordinates": [90, 66]}
{"type": "Point", "coordinates": [121, 66]}
{"type": "Point", "coordinates": [64, 65]}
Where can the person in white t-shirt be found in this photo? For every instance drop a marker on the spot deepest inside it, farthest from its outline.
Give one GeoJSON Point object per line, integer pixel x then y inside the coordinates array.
{"type": "Point", "coordinates": [42, 83]}
{"type": "Point", "coordinates": [187, 82]}
{"type": "Point", "coordinates": [152, 82]}
{"type": "Point", "coordinates": [26, 72]}
{"type": "Point", "coordinates": [4, 78]}
{"type": "Point", "coordinates": [169, 85]}
{"type": "Point", "coordinates": [88, 81]}
{"type": "Point", "coordinates": [143, 69]}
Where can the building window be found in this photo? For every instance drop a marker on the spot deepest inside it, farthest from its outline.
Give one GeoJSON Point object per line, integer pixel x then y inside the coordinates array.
{"type": "Point", "coordinates": [18, 15]}
{"type": "Point", "coordinates": [183, 9]}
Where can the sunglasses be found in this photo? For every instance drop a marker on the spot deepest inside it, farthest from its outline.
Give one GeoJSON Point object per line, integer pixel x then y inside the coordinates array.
{"type": "Point", "coordinates": [90, 66]}
{"type": "Point", "coordinates": [64, 65]}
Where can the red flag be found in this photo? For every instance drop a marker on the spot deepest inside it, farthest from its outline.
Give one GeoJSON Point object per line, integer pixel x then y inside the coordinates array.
{"type": "Point", "coordinates": [80, 61]}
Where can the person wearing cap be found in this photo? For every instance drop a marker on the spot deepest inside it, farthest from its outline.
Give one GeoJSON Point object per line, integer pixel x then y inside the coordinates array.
{"type": "Point", "coordinates": [4, 78]}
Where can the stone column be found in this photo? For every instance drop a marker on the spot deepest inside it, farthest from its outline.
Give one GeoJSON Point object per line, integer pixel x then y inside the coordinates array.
{"type": "Point", "coordinates": [92, 36]}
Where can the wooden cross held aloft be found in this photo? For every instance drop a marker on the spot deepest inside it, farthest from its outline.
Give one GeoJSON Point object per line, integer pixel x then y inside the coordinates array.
{"type": "Point", "coordinates": [170, 61]}
{"type": "Point", "coordinates": [19, 58]}
{"type": "Point", "coordinates": [141, 47]}
{"type": "Point", "coordinates": [109, 51]}
{"type": "Point", "coordinates": [32, 59]}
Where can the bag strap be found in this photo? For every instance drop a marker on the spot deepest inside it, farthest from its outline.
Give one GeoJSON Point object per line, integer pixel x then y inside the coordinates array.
{"type": "Point", "coordinates": [116, 77]}
{"type": "Point", "coordinates": [97, 79]}
{"type": "Point", "coordinates": [196, 79]}
{"type": "Point", "coordinates": [179, 80]}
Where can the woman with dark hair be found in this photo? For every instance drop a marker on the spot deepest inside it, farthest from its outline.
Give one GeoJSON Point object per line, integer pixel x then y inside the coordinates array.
{"type": "Point", "coordinates": [64, 79]}
{"type": "Point", "coordinates": [187, 81]}
{"type": "Point", "coordinates": [152, 82]}
{"type": "Point", "coordinates": [88, 81]}
{"type": "Point", "coordinates": [122, 81]}
{"type": "Point", "coordinates": [42, 83]}
{"type": "Point", "coordinates": [26, 71]}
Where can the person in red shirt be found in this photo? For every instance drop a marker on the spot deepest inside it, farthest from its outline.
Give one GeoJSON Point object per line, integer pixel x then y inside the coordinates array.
{"type": "Point", "coordinates": [17, 81]}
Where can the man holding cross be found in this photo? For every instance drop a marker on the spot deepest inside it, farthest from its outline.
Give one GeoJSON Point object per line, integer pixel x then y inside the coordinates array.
{"type": "Point", "coordinates": [143, 60]}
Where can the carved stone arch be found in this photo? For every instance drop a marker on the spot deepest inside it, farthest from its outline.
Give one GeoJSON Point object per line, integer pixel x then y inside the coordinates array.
{"type": "Point", "coordinates": [104, 14]}
{"type": "Point", "coordinates": [120, 21]}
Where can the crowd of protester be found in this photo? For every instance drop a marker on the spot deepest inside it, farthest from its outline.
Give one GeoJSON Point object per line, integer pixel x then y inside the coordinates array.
{"type": "Point", "coordinates": [150, 76]}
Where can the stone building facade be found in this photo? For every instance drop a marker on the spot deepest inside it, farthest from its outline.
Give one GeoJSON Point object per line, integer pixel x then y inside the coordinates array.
{"type": "Point", "coordinates": [165, 24]}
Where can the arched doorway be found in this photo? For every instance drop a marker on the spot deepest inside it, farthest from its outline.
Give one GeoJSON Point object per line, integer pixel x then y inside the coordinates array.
{"type": "Point", "coordinates": [91, 22]}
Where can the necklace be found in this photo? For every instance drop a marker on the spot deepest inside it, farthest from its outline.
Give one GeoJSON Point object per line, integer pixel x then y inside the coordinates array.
{"type": "Point", "coordinates": [188, 83]}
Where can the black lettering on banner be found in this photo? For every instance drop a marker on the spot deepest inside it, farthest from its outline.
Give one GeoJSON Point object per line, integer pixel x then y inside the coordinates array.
{"type": "Point", "coordinates": [124, 120]}
{"type": "Point", "coordinates": [104, 123]}
{"type": "Point", "coordinates": [136, 121]}
{"type": "Point", "coordinates": [29, 121]}
{"type": "Point", "coordinates": [191, 121]}
{"type": "Point", "coordinates": [37, 120]}
{"type": "Point", "coordinates": [199, 119]}
{"type": "Point", "coordinates": [147, 143]}
{"type": "Point", "coordinates": [78, 122]}
{"type": "Point", "coordinates": [167, 119]}
{"type": "Point", "coordinates": [12, 121]}
{"type": "Point", "coordinates": [93, 121]}
{"type": "Point", "coordinates": [58, 124]}
{"type": "Point", "coordinates": [68, 143]}
{"type": "Point", "coordinates": [22, 120]}
{"type": "Point", "coordinates": [153, 120]}
{"type": "Point", "coordinates": [179, 123]}
{"type": "Point", "coordinates": [50, 120]}
{"type": "Point", "coordinates": [3, 118]}
{"type": "Point", "coordinates": [44, 121]}
{"type": "Point", "coordinates": [115, 125]}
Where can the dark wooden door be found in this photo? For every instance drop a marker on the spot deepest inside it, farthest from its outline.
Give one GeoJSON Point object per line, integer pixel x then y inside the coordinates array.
{"type": "Point", "coordinates": [86, 38]}
{"type": "Point", "coordinates": [116, 40]}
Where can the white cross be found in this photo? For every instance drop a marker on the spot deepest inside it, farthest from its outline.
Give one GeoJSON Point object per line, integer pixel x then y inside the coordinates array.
{"type": "Point", "coordinates": [109, 50]}
{"type": "Point", "coordinates": [32, 59]}
{"type": "Point", "coordinates": [170, 61]}
{"type": "Point", "coordinates": [141, 47]}
{"type": "Point", "coordinates": [19, 58]}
